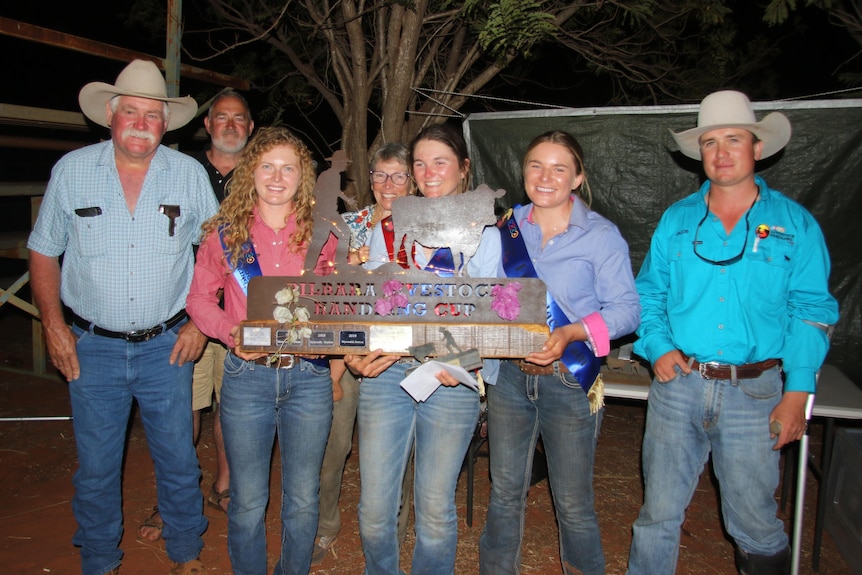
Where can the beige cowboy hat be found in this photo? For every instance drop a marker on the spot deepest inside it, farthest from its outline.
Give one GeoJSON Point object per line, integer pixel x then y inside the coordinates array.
{"type": "Point", "coordinates": [141, 78]}
{"type": "Point", "coordinates": [731, 109]}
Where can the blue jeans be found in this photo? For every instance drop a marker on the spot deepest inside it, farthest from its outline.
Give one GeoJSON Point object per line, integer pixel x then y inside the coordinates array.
{"type": "Point", "coordinates": [258, 402]}
{"type": "Point", "coordinates": [113, 372]}
{"type": "Point", "coordinates": [686, 418]}
{"type": "Point", "coordinates": [520, 408]}
{"type": "Point", "coordinates": [391, 423]}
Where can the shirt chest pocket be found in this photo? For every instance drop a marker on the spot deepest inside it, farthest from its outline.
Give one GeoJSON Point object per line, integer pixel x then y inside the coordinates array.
{"type": "Point", "coordinates": [170, 229]}
{"type": "Point", "coordinates": [771, 267]}
{"type": "Point", "coordinates": [90, 229]}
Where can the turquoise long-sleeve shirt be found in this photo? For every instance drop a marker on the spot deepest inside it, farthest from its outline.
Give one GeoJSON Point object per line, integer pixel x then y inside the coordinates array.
{"type": "Point", "coordinates": [773, 303]}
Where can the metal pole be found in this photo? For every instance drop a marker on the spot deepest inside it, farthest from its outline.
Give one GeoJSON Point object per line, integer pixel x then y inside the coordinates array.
{"type": "Point", "coordinates": [172, 49]}
{"type": "Point", "coordinates": [802, 469]}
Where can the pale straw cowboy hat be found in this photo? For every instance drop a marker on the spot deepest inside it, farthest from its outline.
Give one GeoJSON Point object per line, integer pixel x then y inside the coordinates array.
{"type": "Point", "coordinates": [731, 109]}
{"type": "Point", "coordinates": [141, 78]}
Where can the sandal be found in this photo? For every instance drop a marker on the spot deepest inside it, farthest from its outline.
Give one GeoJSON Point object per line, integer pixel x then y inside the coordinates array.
{"type": "Point", "coordinates": [215, 498]}
{"type": "Point", "coordinates": [151, 529]}
{"type": "Point", "coordinates": [193, 567]}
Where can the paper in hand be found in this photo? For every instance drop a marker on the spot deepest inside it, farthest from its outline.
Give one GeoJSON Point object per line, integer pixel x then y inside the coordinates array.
{"type": "Point", "coordinates": [421, 383]}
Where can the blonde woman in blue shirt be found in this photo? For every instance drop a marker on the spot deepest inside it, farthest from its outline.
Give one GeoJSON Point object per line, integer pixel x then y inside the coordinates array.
{"type": "Point", "coordinates": [555, 393]}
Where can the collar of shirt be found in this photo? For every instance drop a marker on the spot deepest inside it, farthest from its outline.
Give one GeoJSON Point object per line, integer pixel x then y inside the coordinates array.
{"type": "Point", "coordinates": [578, 216]}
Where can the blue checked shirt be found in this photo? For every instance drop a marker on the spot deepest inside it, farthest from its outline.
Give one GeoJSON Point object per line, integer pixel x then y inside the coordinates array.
{"type": "Point", "coordinates": [768, 305]}
{"type": "Point", "coordinates": [122, 271]}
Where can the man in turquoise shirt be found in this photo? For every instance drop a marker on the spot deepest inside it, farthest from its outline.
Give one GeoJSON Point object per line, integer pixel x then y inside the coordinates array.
{"type": "Point", "coordinates": [734, 291]}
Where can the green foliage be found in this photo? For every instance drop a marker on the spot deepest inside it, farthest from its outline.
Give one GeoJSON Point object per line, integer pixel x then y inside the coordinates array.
{"type": "Point", "coordinates": [510, 26]}
{"type": "Point", "coordinates": [778, 11]}
{"type": "Point", "coordinates": [714, 12]}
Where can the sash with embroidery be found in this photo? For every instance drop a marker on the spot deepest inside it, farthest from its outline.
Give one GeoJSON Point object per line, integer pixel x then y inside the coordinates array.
{"type": "Point", "coordinates": [246, 267]}
{"type": "Point", "coordinates": [577, 357]}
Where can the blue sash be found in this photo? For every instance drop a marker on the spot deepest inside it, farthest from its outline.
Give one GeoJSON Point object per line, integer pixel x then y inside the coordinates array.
{"type": "Point", "coordinates": [246, 266]}
{"type": "Point", "coordinates": [442, 263]}
{"type": "Point", "coordinates": [577, 356]}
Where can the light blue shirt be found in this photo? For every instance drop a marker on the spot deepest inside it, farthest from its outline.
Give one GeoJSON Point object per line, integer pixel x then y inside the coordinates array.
{"type": "Point", "coordinates": [123, 271]}
{"type": "Point", "coordinates": [768, 305]}
{"type": "Point", "coordinates": [586, 268]}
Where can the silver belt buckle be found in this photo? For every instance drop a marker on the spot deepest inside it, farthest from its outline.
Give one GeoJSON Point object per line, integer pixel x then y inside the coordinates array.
{"type": "Point", "coordinates": [278, 360]}
{"type": "Point", "coordinates": [702, 367]}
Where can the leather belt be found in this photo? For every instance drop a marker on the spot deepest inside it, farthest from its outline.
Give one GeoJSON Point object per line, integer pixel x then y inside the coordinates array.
{"type": "Point", "coordinates": [533, 369]}
{"type": "Point", "coordinates": [715, 370]}
{"type": "Point", "coordinates": [279, 361]}
{"type": "Point", "coordinates": [130, 336]}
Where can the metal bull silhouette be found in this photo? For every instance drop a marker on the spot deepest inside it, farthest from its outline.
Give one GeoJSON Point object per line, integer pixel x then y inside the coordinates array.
{"type": "Point", "coordinates": [454, 221]}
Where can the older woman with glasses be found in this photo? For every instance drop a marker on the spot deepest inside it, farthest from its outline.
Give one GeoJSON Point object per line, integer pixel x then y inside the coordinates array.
{"type": "Point", "coordinates": [390, 179]}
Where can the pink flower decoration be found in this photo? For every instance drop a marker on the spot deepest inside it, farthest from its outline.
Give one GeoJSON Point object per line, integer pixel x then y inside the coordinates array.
{"type": "Point", "coordinates": [392, 287]}
{"type": "Point", "coordinates": [392, 298]}
{"type": "Point", "coordinates": [383, 306]}
{"type": "Point", "coordinates": [505, 300]}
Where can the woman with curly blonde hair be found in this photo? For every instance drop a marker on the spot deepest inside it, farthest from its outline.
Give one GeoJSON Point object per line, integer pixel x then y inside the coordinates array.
{"type": "Point", "coordinates": [263, 227]}
{"type": "Point", "coordinates": [241, 197]}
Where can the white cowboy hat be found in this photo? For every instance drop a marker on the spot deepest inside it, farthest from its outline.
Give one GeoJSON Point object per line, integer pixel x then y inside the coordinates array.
{"type": "Point", "coordinates": [731, 109]}
{"type": "Point", "coordinates": [141, 78]}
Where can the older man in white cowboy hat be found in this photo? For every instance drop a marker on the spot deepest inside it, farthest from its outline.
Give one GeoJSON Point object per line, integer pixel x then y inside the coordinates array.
{"type": "Point", "coordinates": [733, 289]}
{"type": "Point", "coordinates": [124, 214]}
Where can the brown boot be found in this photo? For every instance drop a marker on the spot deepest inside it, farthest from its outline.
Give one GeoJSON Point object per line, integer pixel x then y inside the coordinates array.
{"type": "Point", "coordinates": [751, 564]}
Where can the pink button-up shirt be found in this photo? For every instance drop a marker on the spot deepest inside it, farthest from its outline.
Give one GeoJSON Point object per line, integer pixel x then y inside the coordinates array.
{"type": "Point", "coordinates": [212, 273]}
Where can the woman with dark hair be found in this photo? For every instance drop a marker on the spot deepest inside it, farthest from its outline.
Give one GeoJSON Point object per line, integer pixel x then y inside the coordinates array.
{"type": "Point", "coordinates": [556, 393]}
{"type": "Point", "coordinates": [263, 227]}
{"type": "Point", "coordinates": [391, 422]}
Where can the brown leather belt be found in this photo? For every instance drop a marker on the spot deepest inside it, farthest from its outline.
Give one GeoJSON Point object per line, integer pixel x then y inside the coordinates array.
{"type": "Point", "coordinates": [283, 361]}
{"type": "Point", "coordinates": [533, 369]}
{"type": "Point", "coordinates": [714, 370]}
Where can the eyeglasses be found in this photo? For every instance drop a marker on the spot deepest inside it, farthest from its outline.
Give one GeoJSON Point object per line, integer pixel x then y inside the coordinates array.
{"type": "Point", "coordinates": [398, 178]}
{"type": "Point", "coordinates": [737, 257]}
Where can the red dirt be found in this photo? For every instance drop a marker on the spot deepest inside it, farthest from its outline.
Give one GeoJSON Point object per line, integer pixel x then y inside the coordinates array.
{"type": "Point", "coordinates": [37, 460]}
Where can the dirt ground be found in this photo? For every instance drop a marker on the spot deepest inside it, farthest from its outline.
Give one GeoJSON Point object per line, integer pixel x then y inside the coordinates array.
{"type": "Point", "coordinates": [37, 460]}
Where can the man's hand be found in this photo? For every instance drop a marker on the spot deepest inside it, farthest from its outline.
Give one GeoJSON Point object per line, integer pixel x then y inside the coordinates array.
{"type": "Point", "coordinates": [190, 344]}
{"type": "Point", "coordinates": [370, 365]}
{"type": "Point", "coordinates": [62, 343]}
{"type": "Point", "coordinates": [663, 368]}
{"type": "Point", "coordinates": [63, 350]}
{"type": "Point", "coordinates": [790, 413]}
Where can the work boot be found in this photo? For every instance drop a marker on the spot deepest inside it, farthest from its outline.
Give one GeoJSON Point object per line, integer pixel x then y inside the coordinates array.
{"type": "Point", "coordinates": [751, 564]}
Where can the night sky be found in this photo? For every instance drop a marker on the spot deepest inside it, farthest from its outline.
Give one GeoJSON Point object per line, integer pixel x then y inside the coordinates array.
{"type": "Point", "coordinates": [44, 76]}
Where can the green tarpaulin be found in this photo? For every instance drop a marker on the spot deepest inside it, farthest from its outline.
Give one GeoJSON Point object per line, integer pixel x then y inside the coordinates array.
{"type": "Point", "coordinates": [635, 173]}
